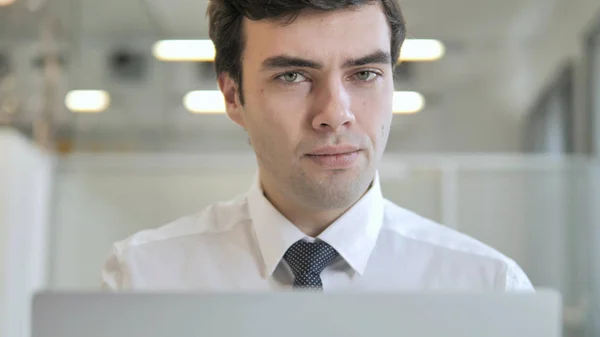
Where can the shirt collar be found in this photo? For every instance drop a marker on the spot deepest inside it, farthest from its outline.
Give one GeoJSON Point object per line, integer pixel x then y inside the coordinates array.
{"type": "Point", "coordinates": [274, 232]}
{"type": "Point", "coordinates": [353, 235]}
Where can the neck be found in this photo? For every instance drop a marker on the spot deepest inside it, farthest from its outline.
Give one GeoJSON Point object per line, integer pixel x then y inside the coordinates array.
{"type": "Point", "coordinates": [309, 220]}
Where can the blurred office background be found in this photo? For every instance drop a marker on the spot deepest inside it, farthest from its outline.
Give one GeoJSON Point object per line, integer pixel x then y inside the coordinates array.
{"type": "Point", "coordinates": [499, 136]}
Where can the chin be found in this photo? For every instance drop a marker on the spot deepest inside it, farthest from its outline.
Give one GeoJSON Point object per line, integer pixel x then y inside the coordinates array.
{"type": "Point", "coordinates": [332, 189]}
{"type": "Point", "coordinates": [352, 173]}
{"type": "Point", "coordinates": [352, 177]}
{"type": "Point", "coordinates": [340, 194]}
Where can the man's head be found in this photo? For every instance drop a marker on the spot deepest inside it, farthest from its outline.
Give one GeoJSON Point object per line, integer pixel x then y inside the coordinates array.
{"type": "Point", "coordinates": [311, 81]}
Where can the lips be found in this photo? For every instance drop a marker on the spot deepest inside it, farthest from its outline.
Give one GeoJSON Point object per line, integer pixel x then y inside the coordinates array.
{"type": "Point", "coordinates": [333, 150]}
{"type": "Point", "coordinates": [337, 157]}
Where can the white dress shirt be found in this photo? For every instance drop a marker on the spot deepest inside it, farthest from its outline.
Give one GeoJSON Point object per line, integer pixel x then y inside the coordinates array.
{"type": "Point", "coordinates": [239, 245]}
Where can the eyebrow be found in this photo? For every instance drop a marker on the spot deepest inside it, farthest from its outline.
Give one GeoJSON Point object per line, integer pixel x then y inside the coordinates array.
{"type": "Point", "coordinates": [378, 57]}
{"type": "Point", "coordinates": [284, 61]}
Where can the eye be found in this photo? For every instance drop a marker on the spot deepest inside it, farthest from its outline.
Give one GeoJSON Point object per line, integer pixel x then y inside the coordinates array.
{"type": "Point", "coordinates": [366, 76]}
{"type": "Point", "coordinates": [292, 77]}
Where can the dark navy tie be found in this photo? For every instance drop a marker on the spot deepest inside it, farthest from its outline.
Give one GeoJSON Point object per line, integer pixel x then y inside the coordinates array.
{"type": "Point", "coordinates": [307, 260]}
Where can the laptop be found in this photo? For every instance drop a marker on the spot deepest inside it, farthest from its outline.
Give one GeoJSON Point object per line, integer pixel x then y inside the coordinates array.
{"type": "Point", "coordinates": [297, 314]}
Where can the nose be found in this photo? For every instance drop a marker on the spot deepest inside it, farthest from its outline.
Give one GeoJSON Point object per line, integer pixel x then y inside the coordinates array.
{"type": "Point", "coordinates": [332, 108]}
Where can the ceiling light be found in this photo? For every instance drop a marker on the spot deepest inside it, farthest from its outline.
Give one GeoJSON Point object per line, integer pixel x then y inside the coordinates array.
{"type": "Point", "coordinates": [204, 50]}
{"type": "Point", "coordinates": [6, 2]}
{"type": "Point", "coordinates": [213, 102]}
{"type": "Point", "coordinates": [421, 50]}
{"type": "Point", "coordinates": [205, 102]}
{"type": "Point", "coordinates": [407, 102]}
{"type": "Point", "coordinates": [87, 101]}
{"type": "Point", "coordinates": [184, 50]}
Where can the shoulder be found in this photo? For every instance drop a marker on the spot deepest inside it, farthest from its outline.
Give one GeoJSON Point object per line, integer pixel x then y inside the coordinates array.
{"type": "Point", "coordinates": [451, 242]}
{"type": "Point", "coordinates": [415, 227]}
{"type": "Point", "coordinates": [156, 251]}
{"type": "Point", "coordinates": [214, 219]}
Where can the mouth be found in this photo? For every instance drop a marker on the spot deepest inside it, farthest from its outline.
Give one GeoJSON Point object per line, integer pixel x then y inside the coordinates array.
{"type": "Point", "coordinates": [334, 158]}
{"type": "Point", "coordinates": [334, 150]}
{"type": "Point", "coordinates": [337, 154]}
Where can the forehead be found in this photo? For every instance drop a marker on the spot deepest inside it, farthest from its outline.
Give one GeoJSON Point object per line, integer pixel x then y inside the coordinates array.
{"type": "Point", "coordinates": [319, 35]}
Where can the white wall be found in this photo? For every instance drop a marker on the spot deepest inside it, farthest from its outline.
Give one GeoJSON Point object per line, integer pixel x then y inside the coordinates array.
{"type": "Point", "coordinates": [25, 182]}
{"type": "Point", "coordinates": [592, 240]}
{"type": "Point", "coordinates": [594, 61]}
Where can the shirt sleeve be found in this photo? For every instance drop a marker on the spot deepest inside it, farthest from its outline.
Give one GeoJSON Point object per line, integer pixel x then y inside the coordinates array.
{"type": "Point", "coordinates": [517, 280]}
{"type": "Point", "coordinates": [114, 275]}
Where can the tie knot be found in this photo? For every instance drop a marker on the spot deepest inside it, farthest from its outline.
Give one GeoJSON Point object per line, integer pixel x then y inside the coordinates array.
{"type": "Point", "coordinates": [309, 257]}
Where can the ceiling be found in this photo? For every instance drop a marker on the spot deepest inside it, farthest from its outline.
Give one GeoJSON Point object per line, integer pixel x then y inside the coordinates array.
{"type": "Point", "coordinates": [451, 20]}
{"type": "Point", "coordinates": [486, 76]}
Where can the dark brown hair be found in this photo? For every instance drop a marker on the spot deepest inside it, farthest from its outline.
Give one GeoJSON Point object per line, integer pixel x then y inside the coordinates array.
{"type": "Point", "coordinates": [226, 17]}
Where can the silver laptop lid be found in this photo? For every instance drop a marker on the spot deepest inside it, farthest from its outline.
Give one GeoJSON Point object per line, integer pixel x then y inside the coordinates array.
{"type": "Point", "coordinates": [296, 315]}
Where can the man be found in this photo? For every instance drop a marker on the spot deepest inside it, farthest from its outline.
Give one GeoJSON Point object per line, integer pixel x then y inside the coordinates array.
{"type": "Point", "coordinates": [311, 82]}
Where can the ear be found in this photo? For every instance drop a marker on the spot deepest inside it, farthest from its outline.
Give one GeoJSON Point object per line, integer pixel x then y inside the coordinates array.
{"type": "Point", "coordinates": [233, 106]}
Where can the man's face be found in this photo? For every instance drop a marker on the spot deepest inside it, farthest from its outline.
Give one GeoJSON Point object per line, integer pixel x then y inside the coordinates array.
{"type": "Point", "coordinates": [318, 102]}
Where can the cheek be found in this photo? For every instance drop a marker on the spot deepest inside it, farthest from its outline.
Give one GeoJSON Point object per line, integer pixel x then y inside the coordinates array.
{"type": "Point", "coordinates": [374, 118]}
{"type": "Point", "coordinates": [276, 119]}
